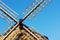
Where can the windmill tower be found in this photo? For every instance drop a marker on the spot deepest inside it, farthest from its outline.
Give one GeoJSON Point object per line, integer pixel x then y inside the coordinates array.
{"type": "Point", "coordinates": [19, 31]}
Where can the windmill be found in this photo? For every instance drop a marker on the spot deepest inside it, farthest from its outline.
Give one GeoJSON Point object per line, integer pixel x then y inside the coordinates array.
{"type": "Point", "coordinates": [11, 16]}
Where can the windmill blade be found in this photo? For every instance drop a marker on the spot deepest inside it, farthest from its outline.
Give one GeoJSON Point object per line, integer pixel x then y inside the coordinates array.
{"type": "Point", "coordinates": [39, 9]}
{"type": "Point", "coordinates": [8, 20]}
{"type": "Point", "coordinates": [6, 13]}
{"type": "Point", "coordinates": [32, 10]}
{"type": "Point", "coordinates": [14, 14]}
{"type": "Point", "coordinates": [37, 6]}
{"type": "Point", "coordinates": [5, 17]}
{"type": "Point", "coordinates": [32, 5]}
{"type": "Point", "coordinates": [9, 15]}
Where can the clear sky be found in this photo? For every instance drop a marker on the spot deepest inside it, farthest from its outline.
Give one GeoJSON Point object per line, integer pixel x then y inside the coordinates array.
{"type": "Point", "coordinates": [47, 22]}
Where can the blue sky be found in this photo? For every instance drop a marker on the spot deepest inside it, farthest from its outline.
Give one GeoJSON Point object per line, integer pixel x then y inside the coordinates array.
{"type": "Point", "coordinates": [47, 22]}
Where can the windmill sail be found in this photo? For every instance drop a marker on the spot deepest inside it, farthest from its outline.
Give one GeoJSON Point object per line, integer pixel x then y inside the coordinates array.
{"type": "Point", "coordinates": [8, 9]}
{"type": "Point", "coordinates": [8, 15]}
{"type": "Point", "coordinates": [32, 10]}
{"type": "Point", "coordinates": [38, 9]}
